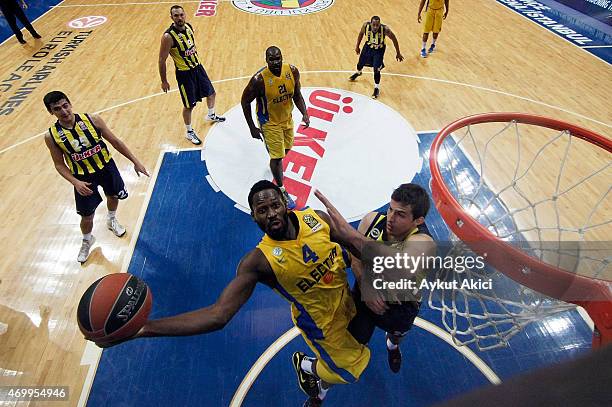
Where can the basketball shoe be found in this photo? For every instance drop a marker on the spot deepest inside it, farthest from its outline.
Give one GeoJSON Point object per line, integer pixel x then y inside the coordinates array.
{"type": "Point", "coordinates": [307, 382]}
{"type": "Point", "coordinates": [114, 225]}
{"type": "Point", "coordinates": [376, 93]}
{"type": "Point", "coordinates": [432, 48]}
{"type": "Point", "coordinates": [354, 76]}
{"type": "Point", "coordinates": [193, 137]}
{"type": "Point", "coordinates": [214, 118]}
{"type": "Point", "coordinates": [424, 53]}
{"type": "Point", "coordinates": [85, 248]}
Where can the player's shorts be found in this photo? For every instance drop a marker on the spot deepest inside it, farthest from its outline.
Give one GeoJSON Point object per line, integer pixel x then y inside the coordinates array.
{"type": "Point", "coordinates": [433, 20]}
{"type": "Point", "coordinates": [397, 320]}
{"type": "Point", "coordinates": [278, 138]}
{"type": "Point", "coordinates": [371, 57]}
{"type": "Point", "coordinates": [194, 85]}
{"type": "Point", "coordinates": [111, 182]}
{"type": "Point", "coordinates": [341, 359]}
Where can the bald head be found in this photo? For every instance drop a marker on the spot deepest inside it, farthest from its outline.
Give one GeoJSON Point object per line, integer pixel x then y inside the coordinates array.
{"type": "Point", "coordinates": [272, 51]}
{"type": "Point", "coordinates": [274, 59]}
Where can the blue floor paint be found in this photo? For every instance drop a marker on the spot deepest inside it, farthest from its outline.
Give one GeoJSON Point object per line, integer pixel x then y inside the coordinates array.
{"type": "Point", "coordinates": [190, 243]}
{"type": "Point", "coordinates": [36, 8]}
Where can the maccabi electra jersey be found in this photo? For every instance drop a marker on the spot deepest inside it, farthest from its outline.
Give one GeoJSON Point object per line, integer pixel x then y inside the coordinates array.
{"type": "Point", "coordinates": [375, 40]}
{"type": "Point", "coordinates": [434, 5]}
{"type": "Point", "coordinates": [183, 49]}
{"type": "Point", "coordinates": [310, 272]}
{"type": "Point", "coordinates": [84, 149]}
{"type": "Point", "coordinates": [276, 105]}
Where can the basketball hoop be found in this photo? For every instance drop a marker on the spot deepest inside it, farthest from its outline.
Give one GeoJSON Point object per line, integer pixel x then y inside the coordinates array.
{"type": "Point", "coordinates": [466, 208]}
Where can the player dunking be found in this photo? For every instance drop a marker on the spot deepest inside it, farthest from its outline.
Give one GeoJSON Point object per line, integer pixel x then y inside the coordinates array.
{"type": "Point", "coordinates": [276, 87]}
{"type": "Point", "coordinates": [297, 258]}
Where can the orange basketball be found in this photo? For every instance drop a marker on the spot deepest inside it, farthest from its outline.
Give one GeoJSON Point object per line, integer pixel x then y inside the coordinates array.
{"type": "Point", "coordinates": [115, 307]}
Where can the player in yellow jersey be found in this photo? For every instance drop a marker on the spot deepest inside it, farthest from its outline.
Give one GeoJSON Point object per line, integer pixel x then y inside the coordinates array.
{"type": "Point", "coordinates": [373, 50]}
{"type": "Point", "coordinates": [433, 22]}
{"type": "Point", "coordinates": [276, 87]}
{"type": "Point", "coordinates": [78, 149]}
{"type": "Point", "coordinates": [298, 259]}
{"type": "Point", "coordinates": [178, 41]}
{"type": "Point", "coordinates": [403, 226]}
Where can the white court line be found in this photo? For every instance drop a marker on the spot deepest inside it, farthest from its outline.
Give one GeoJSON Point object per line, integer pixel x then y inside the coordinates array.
{"type": "Point", "coordinates": [467, 85]}
{"type": "Point", "coordinates": [32, 22]}
{"type": "Point", "coordinates": [288, 336]}
{"type": "Point", "coordinates": [91, 354]}
{"type": "Point", "coordinates": [596, 46]}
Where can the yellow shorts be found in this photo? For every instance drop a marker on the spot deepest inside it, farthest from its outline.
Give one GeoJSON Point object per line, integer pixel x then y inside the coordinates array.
{"type": "Point", "coordinates": [341, 359]}
{"type": "Point", "coordinates": [433, 21]}
{"type": "Point", "coordinates": [278, 138]}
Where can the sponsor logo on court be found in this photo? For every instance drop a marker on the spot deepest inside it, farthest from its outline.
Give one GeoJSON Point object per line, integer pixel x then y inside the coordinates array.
{"type": "Point", "coordinates": [282, 7]}
{"type": "Point", "coordinates": [356, 151]}
{"type": "Point", "coordinates": [207, 8]}
{"type": "Point", "coordinates": [87, 22]}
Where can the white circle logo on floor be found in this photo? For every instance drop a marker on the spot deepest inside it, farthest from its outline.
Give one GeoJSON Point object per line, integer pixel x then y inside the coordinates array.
{"type": "Point", "coordinates": [282, 7]}
{"type": "Point", "coordinates": [87, 22]}
{"type": "Point", "coordinates": [356, 151]}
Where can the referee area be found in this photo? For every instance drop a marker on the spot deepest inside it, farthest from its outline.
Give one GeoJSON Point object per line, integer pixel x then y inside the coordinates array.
{"type": "Point", "coordinates": [188, 225]}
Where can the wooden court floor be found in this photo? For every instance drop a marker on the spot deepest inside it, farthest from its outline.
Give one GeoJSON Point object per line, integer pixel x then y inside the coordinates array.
{"type": "Point", "coordinates": [477, 68]}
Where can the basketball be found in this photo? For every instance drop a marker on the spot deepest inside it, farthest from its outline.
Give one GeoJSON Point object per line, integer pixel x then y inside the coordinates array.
{"type": "Point", "coordinates": [114, 307]}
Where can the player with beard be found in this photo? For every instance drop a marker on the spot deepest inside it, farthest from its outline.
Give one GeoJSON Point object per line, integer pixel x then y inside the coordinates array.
{"type": "Point", "coordinates": [298, 259]}
{"type": "Point", "coordinates": [193, 82]}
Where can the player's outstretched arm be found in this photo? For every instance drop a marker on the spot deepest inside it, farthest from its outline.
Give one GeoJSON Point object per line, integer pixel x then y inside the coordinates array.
{"type": "Point", "coordinates": [213, 317]}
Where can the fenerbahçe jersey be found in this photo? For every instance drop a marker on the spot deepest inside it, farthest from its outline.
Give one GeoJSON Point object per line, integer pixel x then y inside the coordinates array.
{"type": "Point", "coordinates": [277, 103]}
{"type": "Point", "coordinates": [378, 232]}
{"type": "Point", "coordinates": [310, 272]}
{"type": "Point", "coordinates": [84, 149]}
{"type": "Point", "coordinates": [375, 40]}
{"type": "Point", "coordinates": [183, 49]}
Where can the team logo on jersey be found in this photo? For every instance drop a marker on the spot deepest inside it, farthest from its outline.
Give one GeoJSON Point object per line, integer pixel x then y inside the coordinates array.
{"type": "Point", "coordinates": [277, 251]}
{"type": "Point", "coordinates": [375, 233]}
{"type": "Point", "coordinates": [312, 222]}
{"type": "Point", "coordinates": [62, 134]}
{"type": "Point", "coordinates": [82, 125]}
{"type": "Point", "coordinates": [282, 7]}
{"type": "Point", "coordinates": [356, 151]}
{"type": "Point", "coordinates": [288, 76]}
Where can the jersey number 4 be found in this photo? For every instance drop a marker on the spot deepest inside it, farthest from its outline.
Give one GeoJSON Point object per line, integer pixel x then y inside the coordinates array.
{"type": "Point", "coordinates": [308, 254]}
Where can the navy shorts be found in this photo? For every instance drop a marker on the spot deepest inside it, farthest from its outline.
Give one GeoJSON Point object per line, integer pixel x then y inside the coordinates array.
{"type": "Point", "coordinates": [111, 182]}
{"type": "Point", "coordinates": [371, 57]}
{"type": "Point", "coordinates": [194, 85]}
{"type": "Point", "coordinates": [398, 319]}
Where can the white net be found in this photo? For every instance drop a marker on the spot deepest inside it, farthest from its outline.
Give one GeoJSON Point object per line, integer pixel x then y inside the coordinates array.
{"type": "Point", "coordinates": [543, 190]}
